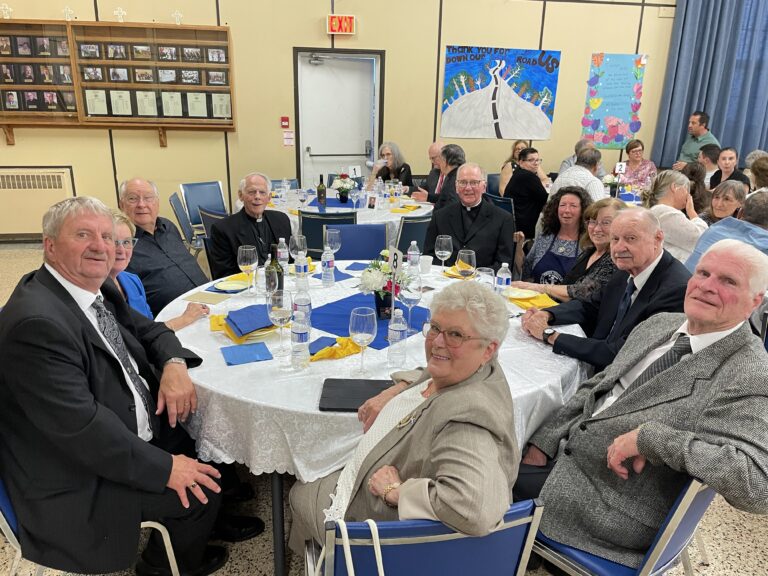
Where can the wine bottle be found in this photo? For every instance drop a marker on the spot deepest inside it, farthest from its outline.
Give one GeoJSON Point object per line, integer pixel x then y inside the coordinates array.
{"type": "Point", "coordinates": [274, 264]}
{"type": "Point", "coordinates": [321, 194]}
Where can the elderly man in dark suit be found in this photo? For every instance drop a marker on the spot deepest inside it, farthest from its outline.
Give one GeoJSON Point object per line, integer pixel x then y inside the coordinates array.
{"type": "Point", "coordinates": [473, 223]}
{"type": "Point", "coordinates": [686, 396]}
{"type": "Point", "coordinates": [450, 158]}
{"type": "Point", "coordinates": [433, 178]}
{"type": "Point", "coordinates": [649, 280]}
{"type": "Point", "coordinates": [84, 380]}
{"type": "Point", "coordinates": [253, 225]}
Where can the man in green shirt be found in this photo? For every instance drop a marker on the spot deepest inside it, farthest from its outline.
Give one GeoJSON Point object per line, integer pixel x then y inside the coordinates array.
{"type": "Point", "coordinates": [698, 135]}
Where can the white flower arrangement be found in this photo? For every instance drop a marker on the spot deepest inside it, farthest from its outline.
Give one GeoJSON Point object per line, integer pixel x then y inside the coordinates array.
{"type": "Point", "coordinates": [609, 179]}
{"type": "Point", "coordinates": [343, 183]}
{"type": "Point", "coordinates": [378, 276]}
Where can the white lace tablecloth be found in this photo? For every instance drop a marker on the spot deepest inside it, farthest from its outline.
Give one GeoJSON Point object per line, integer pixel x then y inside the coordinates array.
{"type": "Point", "coordinates": [266, 416]}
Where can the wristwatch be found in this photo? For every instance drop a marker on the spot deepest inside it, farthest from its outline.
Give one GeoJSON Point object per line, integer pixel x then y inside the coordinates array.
{"type": "Point", "coordinates": [546, 334]}
{"type": "Point", "coordinates": [175, 361]}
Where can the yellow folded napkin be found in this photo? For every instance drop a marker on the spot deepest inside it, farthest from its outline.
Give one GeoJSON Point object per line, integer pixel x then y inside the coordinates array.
{"type": "Point", "coordinates": [410, 207]}
{"type": "Point", "coordinates": [219, 324]}
{"type": "Point", "coordinates": [239, 277]}
{"type": "Point", "coordinates": [399, 210]}
{"type": "Point", "coordinates": [344, 347]}
{"type": "Point", "coordinates": [292, 211]}
{"type": "Point", "coordinates": [453, 271]}
{"type": "Point", "coordinates": [540, 301]}
{"type": "Point", "coordinates": [270, 205]}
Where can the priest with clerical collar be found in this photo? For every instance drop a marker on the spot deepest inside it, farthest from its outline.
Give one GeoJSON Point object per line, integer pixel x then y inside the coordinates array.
{"type": "Point", "coordinates": [253, 225]}
{"type": "Point", "coordinates": [474, 224]}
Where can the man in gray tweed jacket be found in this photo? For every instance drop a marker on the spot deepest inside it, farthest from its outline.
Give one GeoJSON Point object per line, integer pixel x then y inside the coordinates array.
{"type": "Point", "coordinates": [687, 395]}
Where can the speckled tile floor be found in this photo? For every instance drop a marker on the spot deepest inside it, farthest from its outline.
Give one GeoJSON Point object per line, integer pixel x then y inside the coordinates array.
{"type": "Point", "coordinates": [735, 540]}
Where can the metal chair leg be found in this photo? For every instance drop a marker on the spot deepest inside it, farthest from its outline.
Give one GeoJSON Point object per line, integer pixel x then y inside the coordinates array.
{"type": "Point", "coordinates": [40, 571]}
{"type": "Point", "coordinates": [702, 546]}
{"type": "Point", "coordinates": [15, 563]}
{"type": "Point", "coordinates": [167, 542]}
{"type": "Point", "coordinates": [687, 568]}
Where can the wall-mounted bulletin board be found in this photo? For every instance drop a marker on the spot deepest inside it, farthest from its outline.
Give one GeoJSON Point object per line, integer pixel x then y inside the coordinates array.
{"type": "Point", "coordinates": [126, 75]}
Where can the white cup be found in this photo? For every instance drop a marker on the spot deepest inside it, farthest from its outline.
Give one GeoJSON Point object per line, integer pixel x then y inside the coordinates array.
{"type": "Point", "coordinates": [425, 264]}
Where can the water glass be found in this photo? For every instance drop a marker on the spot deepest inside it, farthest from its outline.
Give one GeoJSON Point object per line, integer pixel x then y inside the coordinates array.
{"type": "Point", "coordinates": [443, 249]}
{"type": "Point", "coordinates": [333, 239]}
{"type": "Point", "coordinates": [465, 263]}
{"type": "Point", "coordinates": [362, 331]}
{"type": "Point", "coordinates": [297, 243]}
{"type": "Point", "coordinates": [486, 276]}
{"type": "Point", "coordinates": [410, 295]}
{"type": "Point", "coordinates": [247, 261]}
{"type": "Point", "coordinates": [280, 307]}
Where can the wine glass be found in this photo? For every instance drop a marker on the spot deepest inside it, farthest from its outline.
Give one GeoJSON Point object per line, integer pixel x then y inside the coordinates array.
{"type": "Point", "coordinates": [410, 295]}
{"type": "Point", "coordinates": [302, 194]}
{"type": "Point", "coordinates": [362, 331]}
{"type": "Point", "coordinates": [443, 249]}
{"type": "Point", "coordinates": [333, 239]}
{"type": "Point", "coordinates": [297, 243]}
{"type": "Point", "coordinates": [280, 311]}
{"type": "Point", "coordinates": [486, 276]}
{"type": "Point", "coordinates": [354, 195]}
{"type": "Point", "coordinates": [465, 263]}
{"type": "Point", "coordinates": [270, 281]}
{"type": "Point", "coordinates": [247, 260]}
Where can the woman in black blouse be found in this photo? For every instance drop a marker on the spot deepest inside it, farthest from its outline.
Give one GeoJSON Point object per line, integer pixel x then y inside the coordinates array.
{"type": "Point", "coordinates": [391, 165]}
{"type": "Point", "coordinates": [527, 192]}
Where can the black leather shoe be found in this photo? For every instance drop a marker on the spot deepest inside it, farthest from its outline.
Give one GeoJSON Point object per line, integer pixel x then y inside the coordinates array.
{"type": "Point", "coordinates": [230, 528]}
{"type": "Point", "coordinates": [240, 493]}
{"type": "Point", "coordinates": [214, 558]}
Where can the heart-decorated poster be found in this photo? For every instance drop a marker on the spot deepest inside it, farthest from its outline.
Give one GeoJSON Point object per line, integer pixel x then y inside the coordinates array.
{"type": "Point", "coordinates": [614, 94]}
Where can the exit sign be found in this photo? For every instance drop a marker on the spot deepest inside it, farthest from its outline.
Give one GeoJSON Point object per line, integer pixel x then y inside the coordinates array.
{"type": "Point", "coordinates": [340, 24]}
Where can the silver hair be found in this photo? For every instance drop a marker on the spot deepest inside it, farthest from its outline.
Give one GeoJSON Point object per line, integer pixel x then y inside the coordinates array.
{"type": "Point", "coordinates": [662, 185]}
{"type": "Point", "coordinates": [247, 177]}
{"type": "Point", "coordinates": [754, 155]}
{"type": "Point", "coordinates": [755, 260]}
{"type": "Point", "coordinates": [472, 165]}
{"type": "Point", "coordinates": [582, 144]}
{"type": "Point", "coordinates": [589, 157]}
{"type": "Point", "coordinates": [650, 219]}
{"type": "Point", "coordinates": [397, 156]}
{"type": "Point", "coordinates": [54, 217]}
{"type": "Point", "coordinates": [124, 185]}
{"type": "Point", "coordinates": [486, 309]}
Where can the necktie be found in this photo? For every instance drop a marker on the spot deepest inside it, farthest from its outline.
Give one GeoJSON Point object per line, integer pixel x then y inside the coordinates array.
{"type": "Point", "coordinates": [439, 185]}
{"type": "Point", "coordinates": [624, 305]}
{"type": "Point", "coordinates": [110, 330]}
{"type": "Point", "coordinates": [680, 348]}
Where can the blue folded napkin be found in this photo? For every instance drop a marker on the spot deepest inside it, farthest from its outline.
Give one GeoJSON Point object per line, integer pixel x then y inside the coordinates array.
{"type": "Point", "coordinates": [355, 266]}
{"type": "Point", "coordinates": [337, 274]}
{"type": "Point", "coordinates": [212, 288]}
{"type": "Point", "coordinates": [248, 319]}
{"type": "Point", "coordinates": [245, 353]}
{"type": "Point", "coordinates": [320, 343]}
{"type": "Point", "coordinates": [333, 203]}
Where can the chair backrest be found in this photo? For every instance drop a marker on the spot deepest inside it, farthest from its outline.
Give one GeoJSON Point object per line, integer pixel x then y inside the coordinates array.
{"type": "Point", "coordinates": [207, 248]}
{"type": "Point", "coordinates": [360, 241]}
{"type": "Point", "coordinates": [312, 226]}
{"type": "Point", "coordinates": [412, 228]}
{"type": "Point", "coordinates": [493, 184]}
{"type": "Point", "coordinates": [209, 218]}
{"type": "Point", "coordinates": [292, 182]}
{"type": "Point", "coordinates": [9, 525]}
{"type": "Point", "coordinates": [502, 202]}
{"type": "Point", "coordinates": [429, 548]}
{"type": "Point", "coordinates": [207, 195]}
{"type": "Point", "coordinates": [763, 328]}
{"type": "Point", "coordinates": [183, 219]}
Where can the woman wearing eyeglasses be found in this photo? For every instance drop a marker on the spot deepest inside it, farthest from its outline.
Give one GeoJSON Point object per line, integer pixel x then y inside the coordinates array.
{"type": "Point", "coordinates": [130, 285]}
{"type": "Point", "coordinates": [443, 445]}
{"type": "Point", "coordinates": [527, 192]}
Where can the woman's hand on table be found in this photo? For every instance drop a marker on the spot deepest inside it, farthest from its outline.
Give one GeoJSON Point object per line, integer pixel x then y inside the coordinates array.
{"type": "Point", "coordinates": [385, 483]}
{"type": "Point", "coordinates": [368, 412]}
{"type": "Point", "coordinates": [526, 286]}
{"type": "Point", "coordinates": [177, 394]}
{"type": "Point", "coordinates": [190, 314]}
{"type": "Point", "coordinates": [535, 321]}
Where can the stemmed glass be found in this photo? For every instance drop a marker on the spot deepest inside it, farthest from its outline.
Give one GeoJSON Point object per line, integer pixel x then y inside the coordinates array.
{"type": "Point", "coordinates": [302, 193]}
{"type": "Point", "coordinates": [443, 249]}
{"type": "Point", "coordinates": [247, 261]}
{"type": "Point", "coordinates": [270, 281]}
{"type": "Point", "coordinates": [280, 310]}
{"type": "Point", "coordinates": [362, 331]}
{"type": "Point", "coordinates": [333, 239]}
{"type": "Point", "coordinates": [354, 195]}
{"type": "Point", "coordinates": [465, 263]}
{"type": "Point", "coordinates": [297, 243]}
{"type": "Point", "coordinates": [410, 295]}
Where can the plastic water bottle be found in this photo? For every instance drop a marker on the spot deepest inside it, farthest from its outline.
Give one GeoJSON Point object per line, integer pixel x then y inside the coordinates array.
{"type": "Point", "coordinates": [282, 254]}
{"type": "Point", "coordinates": [327, 264]}
{"type": "Point", "coordinates": [397, 333]}
{"type": "Point", "coordinates": [303, 303]}
{"type": "Point", "coordinates": [413, 255]}
{"type": "Point", "coordinates": [299, 341]}
{"type": "Point", "coordinates": [302, 272]}
{"type": "Point", "coordinates": [503, 278]}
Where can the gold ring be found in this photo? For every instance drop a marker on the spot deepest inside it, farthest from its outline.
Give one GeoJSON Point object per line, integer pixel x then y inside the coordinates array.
{"type": "Point", "coordinates": [193, 485]}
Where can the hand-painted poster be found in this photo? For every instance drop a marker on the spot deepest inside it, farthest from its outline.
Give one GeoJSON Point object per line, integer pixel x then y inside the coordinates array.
{"type": "Point", "coordinates": [500, 93]}
{"type": "Point", "coordinates": [614, 92]}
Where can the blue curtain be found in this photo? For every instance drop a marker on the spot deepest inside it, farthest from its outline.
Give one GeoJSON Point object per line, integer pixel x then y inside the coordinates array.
{"type": "Point", "coordinates": [718, 63]}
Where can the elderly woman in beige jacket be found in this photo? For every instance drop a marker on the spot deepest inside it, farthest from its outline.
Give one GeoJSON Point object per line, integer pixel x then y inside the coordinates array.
{"type": "Point", "coordinates": [443, 446]}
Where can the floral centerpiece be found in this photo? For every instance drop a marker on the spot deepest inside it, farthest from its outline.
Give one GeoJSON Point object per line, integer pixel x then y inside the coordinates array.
{"type": "Point", "coordinates": [343, 185]}
{"type": "Point", "coordinates": [611, 182]}
{"type": "Point", "coordinates": [377, 278]}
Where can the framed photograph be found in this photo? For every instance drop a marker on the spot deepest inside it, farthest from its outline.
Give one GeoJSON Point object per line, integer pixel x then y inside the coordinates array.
{"type": "Point", "coordinates": [62, 47]}
{"type": "Point", "coordinates": [46, 73]}
{"type": "Point", "coordinates": [89, 51]}
{"type": "Point", "coordinates": [64, 74]}
{"type": "Point", "coordinates": [141, 52]}
{"type": "Point", "coordinates": [217, 55]}
{"type": "Point", "coordinates": [372, 201]}
{"type": "Point", "coordinates": [43, 46]}
{"type": "Point", "coordinates": [167, 53]}
{"type": "Point", "coordinates": [166, 76]}
{"type": "Point", "coordinates": [27, 74]}
{"type": "Point", "coordinates": [93, 74]}
{"type": "Point", "coordinates": [11, 100]}
{"type": "Point", "coordinates": [68, 101]}
{"type": "Point", "coordinates": [118, 74]}
{"type": "Point", "coordinates": [191, 55]}
{"type": "Point", "coordinates": [6, 73]}
{"type": "Point", "coordinates": [23, 46]}
{"type": "Point", "coordinates": [50, 100]}
{"type": "Point", "coordinates": [217, 77]}
{"type": "Point", "coordinates": [190, 76]}
{"type": "Point", "coordinates": [143, 75]}
{"type": "Point", "coordinates": [31, 100]}
{"type": "Point", "coordinates": [5, 45]}
{"type": "Point", "coordinates": [116, 52]}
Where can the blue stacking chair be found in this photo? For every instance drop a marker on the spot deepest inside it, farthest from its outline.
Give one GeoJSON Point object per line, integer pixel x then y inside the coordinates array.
{"type": "Point", "coordinates": [493, 184]}
{"type": "Point", "coordinates": [360, 241]}
{"type": "Point", "coordinates": [671, 541]}
{"type": "Point", "coordinates": [412, 228]}
{"type": "Point", "coordinates": [502, 202]}
{"type": "Point", "coordinates": [312, 226]}
{"type": "Point", "coordinates": [426, 548]}
{"type": "Point", "coordinates": [191, 238]}
{"type": "Point", "coordinates": [209, 218]}
{"type": "Point", "coordinates": [292, 182]}
{"type": "Point", "coordinates": [208, 195]}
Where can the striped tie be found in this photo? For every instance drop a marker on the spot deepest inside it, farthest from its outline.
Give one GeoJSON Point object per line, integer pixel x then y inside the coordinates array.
{"type": "Point", "coordinates": [680, 348]}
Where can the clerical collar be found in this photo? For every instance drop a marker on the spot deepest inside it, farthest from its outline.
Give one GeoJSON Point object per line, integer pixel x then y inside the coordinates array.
{"type": "Point", "coordinates": [469, 208]}
{"type": "Point", "coordinates": [258, 219]}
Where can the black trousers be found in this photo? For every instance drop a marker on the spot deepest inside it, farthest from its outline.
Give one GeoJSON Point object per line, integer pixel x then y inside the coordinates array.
{"type": "Point", "coordinates": [530, 480]}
